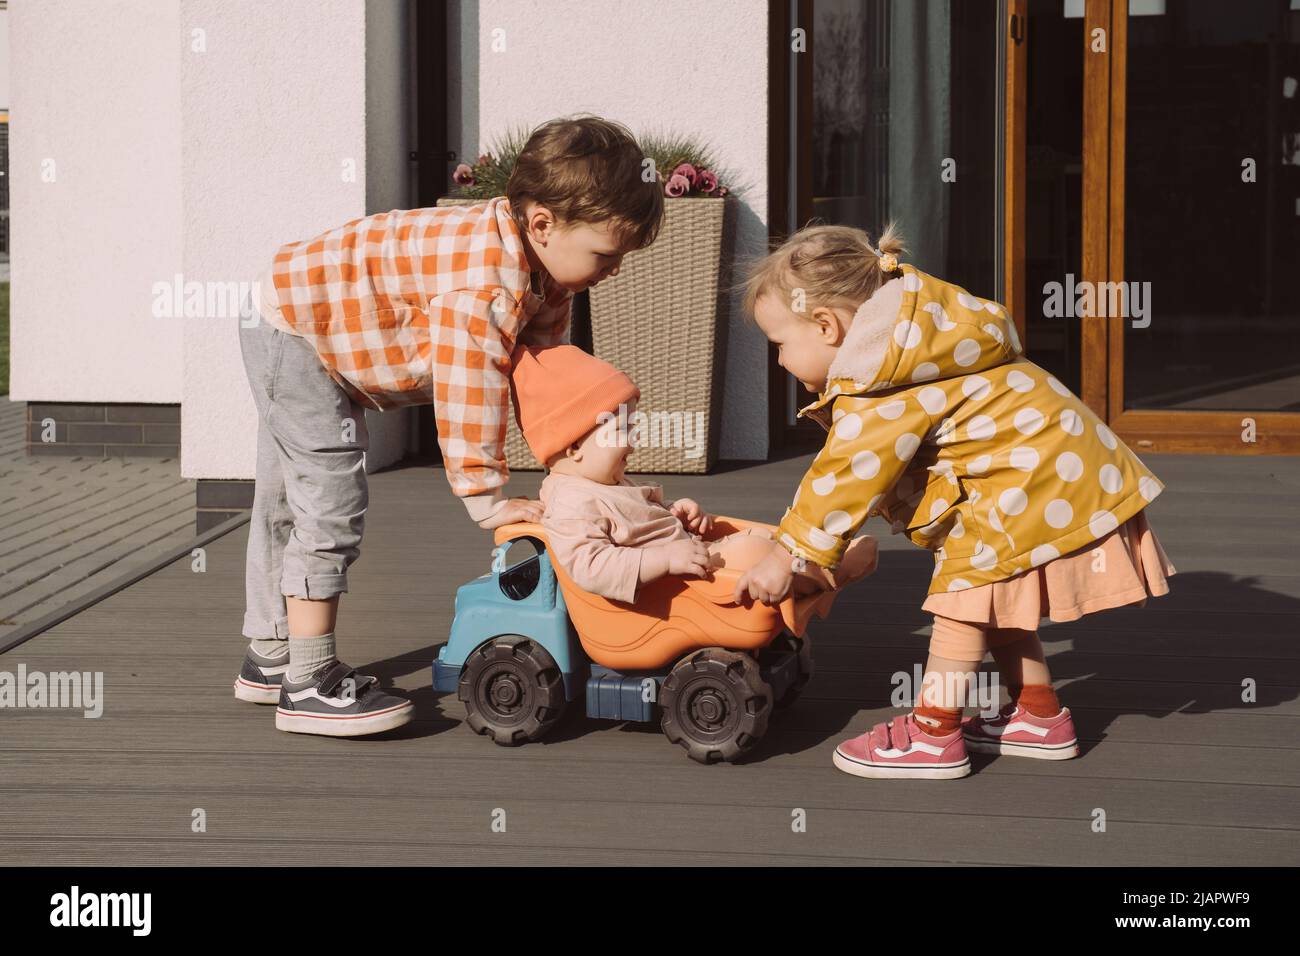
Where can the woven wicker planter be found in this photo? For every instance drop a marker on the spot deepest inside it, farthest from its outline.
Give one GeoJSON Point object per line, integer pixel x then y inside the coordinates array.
{"type": "Point", "coordinates": [658, 321]}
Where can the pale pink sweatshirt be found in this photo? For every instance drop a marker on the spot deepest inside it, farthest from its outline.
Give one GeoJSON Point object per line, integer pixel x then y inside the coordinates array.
{"type": "Point", "coordinates": [597, 532]}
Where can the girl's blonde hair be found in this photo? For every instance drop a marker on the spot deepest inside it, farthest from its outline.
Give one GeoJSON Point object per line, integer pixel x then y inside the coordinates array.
{"type": "Point", "coordinates": [833, 265]}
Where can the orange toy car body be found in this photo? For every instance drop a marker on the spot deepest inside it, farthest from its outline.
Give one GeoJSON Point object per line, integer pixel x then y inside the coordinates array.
{"type": "Point", "coordinates": [527, 642]}
{"type": "Point", "coordinates": [674, 615]}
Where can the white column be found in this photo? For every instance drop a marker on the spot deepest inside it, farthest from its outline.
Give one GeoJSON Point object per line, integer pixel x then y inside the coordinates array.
{"type": "Point", "coordinates": [95, 193]}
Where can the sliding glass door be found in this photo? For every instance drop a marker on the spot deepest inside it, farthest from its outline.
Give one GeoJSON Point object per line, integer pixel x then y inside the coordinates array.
{"type": "Point", "coordinates": [1123, 174]}
{"type": "Point", "coordinates": [1205, 242]}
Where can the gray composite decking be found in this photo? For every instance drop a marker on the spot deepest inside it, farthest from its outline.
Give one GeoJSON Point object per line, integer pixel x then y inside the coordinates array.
{"type": "Point", "coordinates": [1185, 771]}
{"type": "Point", "coordinates": [69, 525]}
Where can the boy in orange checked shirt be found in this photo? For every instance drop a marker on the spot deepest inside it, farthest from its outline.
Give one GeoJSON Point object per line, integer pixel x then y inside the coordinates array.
{"type": "Point", "coordinates": [406, 308]}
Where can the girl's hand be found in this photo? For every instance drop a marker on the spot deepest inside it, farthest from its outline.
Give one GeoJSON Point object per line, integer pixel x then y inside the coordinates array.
{"type": "Point", "coordinates": [768, 581]}
{"type": "Point", "coordinates": [692, 516]}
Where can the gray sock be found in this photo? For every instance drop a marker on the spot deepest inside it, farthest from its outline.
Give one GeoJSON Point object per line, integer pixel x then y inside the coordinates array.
{"type": "Point", "coordinates": [272, 647]}
{"type": "Point", "coordinates": [308, 656]}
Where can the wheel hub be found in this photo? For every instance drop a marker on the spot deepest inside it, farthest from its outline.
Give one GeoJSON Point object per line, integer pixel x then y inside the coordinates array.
{"type": "Point", "coordinates": [708, 709]}
{"type": "Point", "coordinates": [503, 692]}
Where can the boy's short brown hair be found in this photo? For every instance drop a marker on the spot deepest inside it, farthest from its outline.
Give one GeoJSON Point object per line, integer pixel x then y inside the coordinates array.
{"type": "Point", "coordinates": [588, 169]}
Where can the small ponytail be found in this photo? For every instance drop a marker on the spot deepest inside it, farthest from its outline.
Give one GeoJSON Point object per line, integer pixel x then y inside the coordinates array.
{"type": "Point", "coordinates": [829, 264]}
{"type": "Point", "coordinates": [890, 248]}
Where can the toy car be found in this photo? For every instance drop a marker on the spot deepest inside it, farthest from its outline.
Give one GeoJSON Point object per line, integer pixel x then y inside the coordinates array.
{"type": "Point", "coordinates": [527, 641]}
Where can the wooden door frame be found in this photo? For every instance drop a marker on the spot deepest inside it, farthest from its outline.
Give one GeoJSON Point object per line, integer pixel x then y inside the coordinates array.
{"type": "Point", "coordinates": [1105, 94]}
{"type": "Point", "coordinates": [1095, 199]}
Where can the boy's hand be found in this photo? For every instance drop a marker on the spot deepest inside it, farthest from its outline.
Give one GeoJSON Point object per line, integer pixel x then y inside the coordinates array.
{"type": "Point", "coordinates": [692, 516]}
{"type": "Point", "coordinates": [768, 581]}
{"type": "Point", "coordinates": [515, 509]}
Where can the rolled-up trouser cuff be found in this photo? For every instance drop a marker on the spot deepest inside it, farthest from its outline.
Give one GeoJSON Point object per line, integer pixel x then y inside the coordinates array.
{"type": "Point", "coordinates": [259, 629]}
{"type": "Point", "coordinates": [314, 587]}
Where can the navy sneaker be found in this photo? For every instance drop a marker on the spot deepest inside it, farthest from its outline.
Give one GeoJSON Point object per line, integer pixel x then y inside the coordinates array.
{"type": "Point", "coordinates": [259, 678]}
{"type": "Point", "coordinates": [339, 702]}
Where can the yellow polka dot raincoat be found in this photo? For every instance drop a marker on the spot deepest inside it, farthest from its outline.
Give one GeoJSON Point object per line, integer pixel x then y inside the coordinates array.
{"type": "Point", "coordinates": [937, 422]}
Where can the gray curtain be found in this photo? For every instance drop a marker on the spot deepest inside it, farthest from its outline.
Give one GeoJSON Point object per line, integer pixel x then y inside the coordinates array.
{"type": "Point", "coordinates": [920, 103]}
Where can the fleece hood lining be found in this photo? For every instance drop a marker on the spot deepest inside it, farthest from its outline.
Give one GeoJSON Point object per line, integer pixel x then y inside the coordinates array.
{"type": "Point", "coordinates": [866, 343]}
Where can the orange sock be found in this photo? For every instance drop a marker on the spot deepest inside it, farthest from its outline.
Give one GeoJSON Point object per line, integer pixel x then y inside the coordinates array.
{"type": "Point", "coordinates": [937, 721]}
{"type": "Point", "coordinates": [1039, 699]}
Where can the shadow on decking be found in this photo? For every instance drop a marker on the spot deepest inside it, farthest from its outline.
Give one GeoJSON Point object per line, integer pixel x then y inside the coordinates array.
{"type": "Point", "coordinates": [1190, 618]}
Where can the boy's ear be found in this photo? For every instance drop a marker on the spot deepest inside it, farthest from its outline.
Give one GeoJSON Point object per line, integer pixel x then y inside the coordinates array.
{"type": "Point", "coordinates": [540, 220]}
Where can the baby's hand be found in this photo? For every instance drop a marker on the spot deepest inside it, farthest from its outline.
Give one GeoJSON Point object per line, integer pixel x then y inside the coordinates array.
{"type": "Point", "coordinates": [515, 509]}
{"type": "Point", "coordinates": [692, 516]}
{"type": "Point", "coordinates": [689, 557]}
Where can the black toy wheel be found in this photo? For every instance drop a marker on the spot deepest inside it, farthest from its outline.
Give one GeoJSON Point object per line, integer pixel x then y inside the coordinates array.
{"type": "Point", "coordinates": [715, 704]}
{"type": "Point", "coordinates": [512, 690]}
{"type": "Point", "coordinates": [803, 647]}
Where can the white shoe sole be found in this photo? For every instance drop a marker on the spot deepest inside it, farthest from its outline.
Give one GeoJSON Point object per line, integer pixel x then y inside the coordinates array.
{"type": "Point", "coordinates": [256, 693]}
{"type": "Point", "coordinates": [944, 772]}
{"type": "Point", "coordinates": [328, 726]}
{"type": "Point", "coordinates": [1036, 751]}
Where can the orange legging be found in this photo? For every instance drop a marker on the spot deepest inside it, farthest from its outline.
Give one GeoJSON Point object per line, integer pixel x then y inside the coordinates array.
{"type": "Point", "coordinates": [963, 641]}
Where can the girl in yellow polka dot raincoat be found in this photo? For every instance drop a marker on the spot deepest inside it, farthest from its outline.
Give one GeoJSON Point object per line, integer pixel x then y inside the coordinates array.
{"type": "Point", "coordinates": [936, 422]}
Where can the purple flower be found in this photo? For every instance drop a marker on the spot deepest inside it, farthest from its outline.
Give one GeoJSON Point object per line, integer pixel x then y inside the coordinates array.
{"type": "Point", "coordinates": [463, 176]}
{"type": "Point", "coordinates": [484, 159]}
{"type": "Point", "coordinates": [678, 185]}
{"type": "Point", "coordinates": [706, 181]}
{"type": "Point", "coordinates": [688, 171]}
{"type": "Point", "coordinates": [723, 191]}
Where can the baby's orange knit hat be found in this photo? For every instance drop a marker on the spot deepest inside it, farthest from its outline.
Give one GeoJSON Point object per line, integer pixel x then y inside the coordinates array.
{"type": "Point", "coordinates": [558, 393]}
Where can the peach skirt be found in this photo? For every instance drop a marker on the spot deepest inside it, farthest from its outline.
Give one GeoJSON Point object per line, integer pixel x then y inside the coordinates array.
{"type": "Point", "coordinates": [1130, 567]}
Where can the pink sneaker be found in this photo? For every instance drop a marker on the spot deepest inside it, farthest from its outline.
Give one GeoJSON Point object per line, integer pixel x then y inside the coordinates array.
{"type": "Point", "coordinates": [1017, 732]}
{"type": "Point", "coordinates": [900, 748]}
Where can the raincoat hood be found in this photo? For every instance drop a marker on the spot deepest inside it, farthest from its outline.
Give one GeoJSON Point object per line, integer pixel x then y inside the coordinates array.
{"type": "Point", "coordinates": [888, 345]}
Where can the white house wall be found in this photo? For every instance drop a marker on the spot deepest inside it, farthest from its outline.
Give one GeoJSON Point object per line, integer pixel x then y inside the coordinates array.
{"type": "Point", "coordinates": [95, 194]}
{"type": "Point", "coordinates": [171, 151]}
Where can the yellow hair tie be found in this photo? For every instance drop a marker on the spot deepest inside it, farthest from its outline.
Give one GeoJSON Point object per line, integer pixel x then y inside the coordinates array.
{"type": "Point", "coordinates": [888, 261]}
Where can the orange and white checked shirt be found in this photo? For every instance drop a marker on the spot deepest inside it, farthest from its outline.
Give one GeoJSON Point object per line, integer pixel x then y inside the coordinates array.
{"type": "Point", "coordinates": [420, 306]}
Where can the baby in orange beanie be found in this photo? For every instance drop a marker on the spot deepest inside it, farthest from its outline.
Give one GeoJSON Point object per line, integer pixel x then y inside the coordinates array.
{"type": "Point", "coordinates": [610, 534]}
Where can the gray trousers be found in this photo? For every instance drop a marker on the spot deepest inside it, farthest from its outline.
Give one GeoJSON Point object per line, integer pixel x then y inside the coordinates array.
{"type": "Point", "coordinates": [310, 501]}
